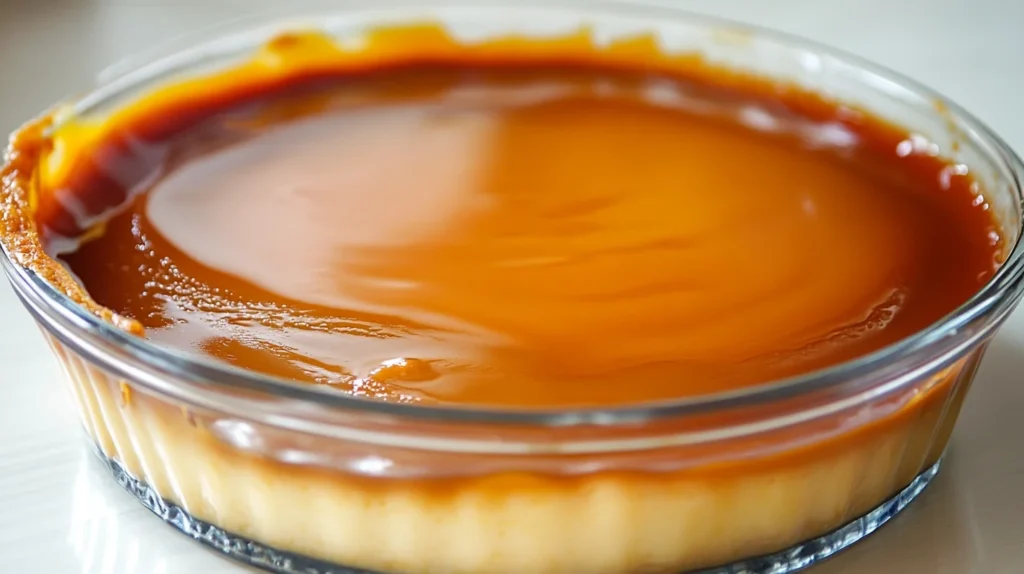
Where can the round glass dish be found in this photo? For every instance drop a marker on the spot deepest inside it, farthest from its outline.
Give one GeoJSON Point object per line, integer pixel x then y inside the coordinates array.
{"type": "Point", "coordinates": [297, 479]}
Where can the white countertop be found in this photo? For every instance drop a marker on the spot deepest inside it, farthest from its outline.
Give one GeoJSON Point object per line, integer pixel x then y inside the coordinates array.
{"type": "Point", "coordinates": [61, 513]}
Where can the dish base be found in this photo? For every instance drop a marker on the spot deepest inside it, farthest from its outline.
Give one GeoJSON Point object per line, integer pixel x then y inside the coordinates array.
{"type": "Point", "coordinates": [270, 559]}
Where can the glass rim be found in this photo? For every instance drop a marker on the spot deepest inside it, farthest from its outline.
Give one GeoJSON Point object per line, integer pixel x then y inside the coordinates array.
{"type": "Point", "coordinates": [80, 329]}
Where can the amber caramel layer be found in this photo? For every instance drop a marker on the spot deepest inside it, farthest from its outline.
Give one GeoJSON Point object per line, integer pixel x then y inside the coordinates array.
{"type": "Point", "coordinates": [511, 233]}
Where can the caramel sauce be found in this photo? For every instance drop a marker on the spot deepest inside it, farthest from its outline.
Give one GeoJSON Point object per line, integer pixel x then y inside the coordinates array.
{"type": "Point", "coordinates": [518, 222]}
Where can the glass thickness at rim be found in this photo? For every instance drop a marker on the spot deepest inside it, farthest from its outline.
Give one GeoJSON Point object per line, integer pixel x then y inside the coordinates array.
{"type": "Point", "coordinates": [872, 374]}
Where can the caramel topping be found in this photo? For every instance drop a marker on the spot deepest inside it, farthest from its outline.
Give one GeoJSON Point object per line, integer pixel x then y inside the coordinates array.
{"type": "Point", "coordinates": [505, 224]}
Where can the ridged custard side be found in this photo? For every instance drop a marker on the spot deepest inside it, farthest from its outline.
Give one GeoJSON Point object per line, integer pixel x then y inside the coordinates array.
{"type": "Point", "coordinates": [603, 522]}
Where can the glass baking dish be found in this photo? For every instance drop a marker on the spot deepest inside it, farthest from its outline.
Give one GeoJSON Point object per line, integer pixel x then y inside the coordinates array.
{"type": "Point", "coordinates": [298, 479]}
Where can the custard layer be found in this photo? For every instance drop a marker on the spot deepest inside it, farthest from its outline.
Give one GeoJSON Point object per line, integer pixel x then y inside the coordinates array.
{"type": "Point", "coordinates": [461, 516]}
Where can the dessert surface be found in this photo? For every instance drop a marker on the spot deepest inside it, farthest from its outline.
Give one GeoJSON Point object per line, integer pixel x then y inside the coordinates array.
{"type": "Point", "coordinates": [429, 222]}
{"type": "Point", "coordinates": [533, 235]}
{"type": "Point", "coordinates": [974, 501]}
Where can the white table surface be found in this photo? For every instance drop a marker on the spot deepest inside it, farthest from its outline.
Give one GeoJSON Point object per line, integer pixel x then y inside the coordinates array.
{"type": "Point", "coordinates": [60, 512]}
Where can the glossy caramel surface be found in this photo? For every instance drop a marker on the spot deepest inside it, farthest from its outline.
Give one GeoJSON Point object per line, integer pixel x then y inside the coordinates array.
{"type": "Point", "coordinates": [532, 234]}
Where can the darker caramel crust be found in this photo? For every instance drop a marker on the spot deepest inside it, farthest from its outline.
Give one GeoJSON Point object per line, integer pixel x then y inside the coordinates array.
{"type": "Point", "coordinates": [19, 232]}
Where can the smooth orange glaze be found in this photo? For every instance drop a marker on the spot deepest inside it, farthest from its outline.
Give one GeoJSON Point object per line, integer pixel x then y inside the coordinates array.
{"type": "Point", "coordinates": [513, 226]}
